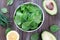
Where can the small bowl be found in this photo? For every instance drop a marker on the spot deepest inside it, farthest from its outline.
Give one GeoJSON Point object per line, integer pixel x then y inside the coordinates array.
{"type": "Point", "coordinates": [42, 14]}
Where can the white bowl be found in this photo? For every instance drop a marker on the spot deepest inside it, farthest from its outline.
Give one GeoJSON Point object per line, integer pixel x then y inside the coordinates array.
{"type": "Point", "coordinates": [37, 6]}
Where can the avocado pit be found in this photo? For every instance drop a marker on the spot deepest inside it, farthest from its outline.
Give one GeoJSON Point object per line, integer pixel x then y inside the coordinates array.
{"type": "Point", "coordinates": [50, 6]}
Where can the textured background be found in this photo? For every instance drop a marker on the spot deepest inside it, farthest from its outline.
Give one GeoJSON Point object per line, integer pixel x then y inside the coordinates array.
{"type": "Point", "coordinates": [49, 20]}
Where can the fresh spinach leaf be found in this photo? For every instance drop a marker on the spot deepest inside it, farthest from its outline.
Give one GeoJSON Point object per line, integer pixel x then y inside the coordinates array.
{"type": "Point", "coordinates": [34, 25]}
{"type": "Point", "coordinates": [26, 26]}
{"type": "Point", "coordinates": [35, 36]}
{"type": "Point", "coordinates": [37, 18]}
{"type": "Point", "coordinates": [4, 10]}
{"type": "Point", "coordinates": [18, 18]}
{"type": "Point", "coordinates": [10, 2]}
{"type": "Point", "coordinates": [54, 28]}
{"type": "Point", "coordinates": [23, 7]}
{"type": "Point", "coordinates": [24, 17]}
{"type": "Point", "coordinates": [7, 30]}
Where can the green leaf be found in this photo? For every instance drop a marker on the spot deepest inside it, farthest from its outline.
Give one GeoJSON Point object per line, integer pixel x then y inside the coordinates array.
{"type": "Point", "coordinates": [24, 17]}
{"type": "Point", "coordinates": [37, 17]}
{"type": "Point", "coordinates": [7, 30]}
{"type": "Point", "coordinates": [23, 7]}
{"type": "Point", "coordinates": [32, 8]}
{"type": "Point", "coordinates": [54, 28]}
{"type": "Point", "coordinates": [3, 20]}
{"type": "Point", "coordinates": [18, 18]}
{"type": "Point", "coordinates": [35, 36]}
{"type": "Point", "coordinates": [4, 10]}
{"type": "Point", "coordinates": [2, 23]}
{"type": "Point", "coordinates": [26, 26]}
{"type": "Point", "coordinates": [34, 25]}
{"type": "Point", "coordinates": [10, 2]}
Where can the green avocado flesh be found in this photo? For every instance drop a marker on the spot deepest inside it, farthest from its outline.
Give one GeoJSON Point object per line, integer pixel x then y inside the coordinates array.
{"type": "Point", "coordinates": [28, 17]}
{"type": "Point", "coordinates": [52, 7]}
{"type": "Point", "coordinates": [48, 36]}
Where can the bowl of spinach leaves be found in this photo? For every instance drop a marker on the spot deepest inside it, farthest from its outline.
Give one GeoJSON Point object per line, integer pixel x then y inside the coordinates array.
{"type": "Point", "coordinates": [28, 17]}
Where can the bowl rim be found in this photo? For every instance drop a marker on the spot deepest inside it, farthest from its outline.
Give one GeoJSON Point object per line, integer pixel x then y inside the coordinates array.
{"type": "Point", "coordinates": [32, 4]}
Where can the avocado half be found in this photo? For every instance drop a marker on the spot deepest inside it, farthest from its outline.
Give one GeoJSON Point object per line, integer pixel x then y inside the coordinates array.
{"type": "Point", "coordinates": [54, 10]}
{"type": "Point", "coordinates": [48, 36]}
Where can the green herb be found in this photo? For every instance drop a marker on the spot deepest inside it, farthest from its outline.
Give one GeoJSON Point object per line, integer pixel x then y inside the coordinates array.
{"type": "Point", "coordinates": [17, 18]}
{"type": "Point", "coordinates": [25, 26]}
{"type": "Point", "coordinates": [54, 28]}
{"type": "Point", "coordinates": [4, 10]}
{"type": "Point", "coordinates": [3, 20]}
{"type": "Point", "coordinates": [2, 23]}
{"type": "Point", "coordinates": [34, 25]}
{"type": "Point", "coordinates": [35, 36]}
{"type": "Point", "coordinates": [10, 2]}
{"type": "Point", "coordinates": [28, 17]}
{"type": "Point", "coordinates": [7, 30]}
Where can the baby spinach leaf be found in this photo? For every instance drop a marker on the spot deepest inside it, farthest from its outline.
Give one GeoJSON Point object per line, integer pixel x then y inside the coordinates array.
{"type": "Point", "coordinates": [30, 18]}
{"type": "Point", "coordinates": [10, 2]}
{"type": "Point", "coordinates": [4, 10]}
{"type": "Point", "coordinates": [34, 25]}
{"type": "Point", "coordinates": [18, 18]}
{"type": "Point", "coordinates": [35, 36]}
{"type": "Point", "coordinates": [32, 8]}
{"type": "Point", "coordinates": [7, 30]}
{"type": "Point", "coordinates": [25, 16]}
{"type": "Point", "coordinates": [54, 28]}
{"type": "Point", "coordinates": [23, 7]}
{"type": "Point", "coordinates": [26, 26]}
{"type": "Point", "coordinates": [37, 17]}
